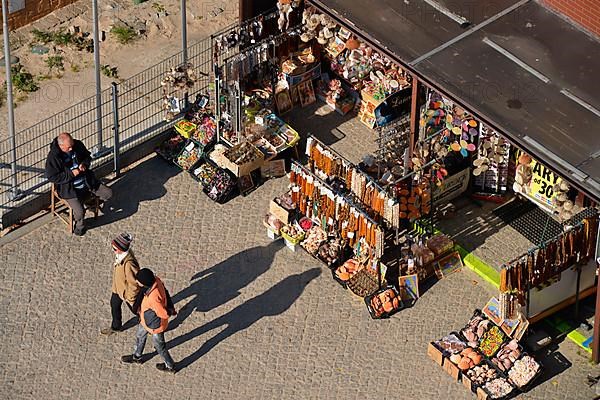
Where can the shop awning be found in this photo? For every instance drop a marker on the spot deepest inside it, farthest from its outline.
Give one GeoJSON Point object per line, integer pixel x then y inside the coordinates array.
{"type": "Point", "coordinates": [517, 66]}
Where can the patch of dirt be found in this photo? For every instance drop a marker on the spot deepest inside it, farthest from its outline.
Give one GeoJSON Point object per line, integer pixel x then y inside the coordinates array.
{"type": "Point", "coordinates": [158, 30]}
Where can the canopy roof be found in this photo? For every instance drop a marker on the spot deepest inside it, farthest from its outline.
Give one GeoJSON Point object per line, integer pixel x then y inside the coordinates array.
{"type": "Point", "coordinates": [520, 68]}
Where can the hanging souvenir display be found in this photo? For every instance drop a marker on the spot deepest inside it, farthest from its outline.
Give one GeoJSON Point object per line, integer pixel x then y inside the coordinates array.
{"type": "Point", "coordinates": [355, 62]}
{"type": "Point", "coordinates": [539, 265]}
{"type": "Point", "coordinates": [564, 206]}
{"type": "Point", "coordinates": [492, 162]}
{"type": "Point", "coordinates": [392, 143]}
{"type": "Point", "coordinates": [329, 166]}
{"type": "Point", "coordinates": [316, 25]}
{"type": "Point", "coordinates": [415, 200]}
{"type": "Point", "coordinates": [524, 173]}
{"type": "Point", "coordinates": [240, 66]}
{"type": "Point", "coordinates": [179, 79]}
{"type": "Point", "coordinates": [316, 200]}
{"type": "Point", "coordinates": [285, 8]}
{"type": "Point", "coordinates": [247, 33]}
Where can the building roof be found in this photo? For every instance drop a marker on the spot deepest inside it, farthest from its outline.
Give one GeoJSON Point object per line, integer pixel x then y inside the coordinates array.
{"type": "Point", "coordinates": [517, 66]}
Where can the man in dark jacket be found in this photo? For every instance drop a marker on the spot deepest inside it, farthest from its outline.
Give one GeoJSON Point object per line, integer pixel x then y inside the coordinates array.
{"type": "Point", "coordinates": [67, 166]}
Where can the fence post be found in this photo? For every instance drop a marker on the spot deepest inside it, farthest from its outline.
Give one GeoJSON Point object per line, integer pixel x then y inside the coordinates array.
{"type": "Point", "coordinates": [99, 149]}
{"type": "Point", "coordinates": [184, 45]}
{"type": "Point", "coordinates": [14, 193]}
{"type": "Point", "coordinates": [116, 147]}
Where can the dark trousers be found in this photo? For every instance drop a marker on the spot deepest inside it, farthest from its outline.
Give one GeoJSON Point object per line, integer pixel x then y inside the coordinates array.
{"type": "Point", "coordinates": [103, 192]}
{"type": "Point", "coordinates": [115, 309]}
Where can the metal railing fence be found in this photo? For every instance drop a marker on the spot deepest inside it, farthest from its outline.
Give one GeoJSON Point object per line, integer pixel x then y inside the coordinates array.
{"type": "Point", "coordinates": [140, 116]}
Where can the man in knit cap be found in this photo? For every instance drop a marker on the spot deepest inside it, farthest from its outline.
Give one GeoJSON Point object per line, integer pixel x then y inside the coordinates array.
{"type": "Point", "coordinates": [124, 286]}
{"type": "Point", "coordinates": [155, 309]}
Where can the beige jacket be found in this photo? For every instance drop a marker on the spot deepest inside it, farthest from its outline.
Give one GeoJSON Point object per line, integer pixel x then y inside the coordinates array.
{"type": "Point", "coordinates": [124, 283]}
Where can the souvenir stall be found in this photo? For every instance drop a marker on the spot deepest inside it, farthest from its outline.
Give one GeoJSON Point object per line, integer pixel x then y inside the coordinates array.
{"type": "Point", "coordinates": [559, 270]}
{"type": "Point", "coordinates": [344, 217]}
{"type": "Point", "coordinates": [189, 145]}
{"type": "Point", "coordinates": [252, 141]}
{"type": "Point", "coordinates": [354, 73]}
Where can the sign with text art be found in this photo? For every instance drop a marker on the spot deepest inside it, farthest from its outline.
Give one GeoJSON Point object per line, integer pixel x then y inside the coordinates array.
{"type": "Point", "coordinates": [535, 181]}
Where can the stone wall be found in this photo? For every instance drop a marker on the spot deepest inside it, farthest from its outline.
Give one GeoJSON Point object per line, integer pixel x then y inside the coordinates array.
{"type": "Point", "coordinates": [33, 10]}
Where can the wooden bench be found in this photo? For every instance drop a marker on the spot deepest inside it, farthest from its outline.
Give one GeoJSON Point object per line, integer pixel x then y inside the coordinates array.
{"type": "Point", "coordinates": [59, 205]}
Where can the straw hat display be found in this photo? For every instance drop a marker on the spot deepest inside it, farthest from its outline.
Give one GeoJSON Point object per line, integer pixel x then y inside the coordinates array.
{"type": "Point", "coordinates": [523, 175]}
{"type": "Point", "coordinates": [564, 207]}
{"type": "Point", "coordinates": [491, 151]}
{"type": "Point", "coordinates": [320, 26]}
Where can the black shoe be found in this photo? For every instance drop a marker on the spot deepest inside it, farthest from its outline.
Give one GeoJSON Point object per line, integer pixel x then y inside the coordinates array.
{"type": "Point", "coordinates": [80, 232]}
{"type": "Point", "coordinates": [132, 359]}
{"type": "Point", "coordinates": [163, 367]}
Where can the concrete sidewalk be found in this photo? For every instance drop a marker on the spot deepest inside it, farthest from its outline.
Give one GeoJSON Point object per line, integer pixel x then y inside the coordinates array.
{"type": "Point", "coordinates": [256, 320]}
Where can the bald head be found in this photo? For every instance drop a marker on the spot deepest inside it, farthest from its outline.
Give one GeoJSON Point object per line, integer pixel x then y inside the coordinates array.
{"type": "Point", "coordinates": [65, 142]}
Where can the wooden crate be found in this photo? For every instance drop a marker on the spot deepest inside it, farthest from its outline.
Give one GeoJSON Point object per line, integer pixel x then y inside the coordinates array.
{"type": "Point", "coordinates": [243, 169]}
{"type": "Point", "coordinates": [279, 212]}
{"type": "Point", "coordinates": [451, 369]}
{"type": "Point", "coordinates": [435, 354]}
{"type": "Point", "coordinates": [481, 394]}
{"type": "Point", "coordinates": [467, 382]}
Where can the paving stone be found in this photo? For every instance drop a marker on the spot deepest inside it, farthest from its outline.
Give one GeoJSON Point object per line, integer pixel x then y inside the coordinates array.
{"type": "Point", "coordinates": [256, 321]}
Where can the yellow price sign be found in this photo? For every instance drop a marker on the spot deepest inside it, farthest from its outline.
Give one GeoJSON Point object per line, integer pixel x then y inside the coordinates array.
{"type": "Point", "coordinates": [541, 187]}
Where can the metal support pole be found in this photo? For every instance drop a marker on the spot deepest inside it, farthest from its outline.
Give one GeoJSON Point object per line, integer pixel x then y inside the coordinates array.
{"type": "Point", "coordinates": [414, 118]}
{"type": "Point", "coordinates": [99, 150]}
{"type": "Point", "coordinates": [218, 102]}
{"type": "Point", "coordinates": [596, 336]}
{"type": "Point", "coordinates": [116, 146]}
{"type": "Point", "coordinates": [184, 45]}
{"type": "Point", "coordinates": [14, 193]}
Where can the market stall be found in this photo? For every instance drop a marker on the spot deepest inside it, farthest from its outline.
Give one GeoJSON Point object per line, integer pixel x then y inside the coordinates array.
{"type": "Point", "coordinates": [353, 72]}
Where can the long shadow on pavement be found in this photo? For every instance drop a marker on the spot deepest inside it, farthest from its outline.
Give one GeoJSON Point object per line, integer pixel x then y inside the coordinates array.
{"type": "Point", "coordinates": [273, 302]}
{"type": "Point", "coordinates": [144, 182]}
{"type": "Point", "coordinates": [221, 283]}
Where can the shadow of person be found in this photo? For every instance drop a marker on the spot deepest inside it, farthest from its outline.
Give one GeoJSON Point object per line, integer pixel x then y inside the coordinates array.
{"type": "Point", "coordinates": [273, 302]}
{"type": "Point", "coordinates": [143, 182]}
{"type": "Point", "coordinates": [221, 283]}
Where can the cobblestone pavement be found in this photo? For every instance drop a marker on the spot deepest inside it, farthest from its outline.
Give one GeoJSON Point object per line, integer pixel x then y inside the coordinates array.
{"type": "Point", "coordinates": [257, 321]}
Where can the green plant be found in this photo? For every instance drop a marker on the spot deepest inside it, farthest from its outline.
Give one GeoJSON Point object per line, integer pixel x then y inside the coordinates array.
{"type": "Point", "coordinates": [62, 38]}
{"type": "Point", "coordinates": [23, 80]}
{"type": "Point", "coordinates": [2, 95]}
{"type": "Point", "coordinates": [111, 72]}
{"type": "Point", "coordinates": [159, 8]}
{"type": "Point", "coordinates": [42, 37]}
{"type": "Point", "coordinates": [75, 68]}
{"type": "Point", "coordinates": [123, 33]}
{"type": "Point", "coordinates": [55, 62]}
